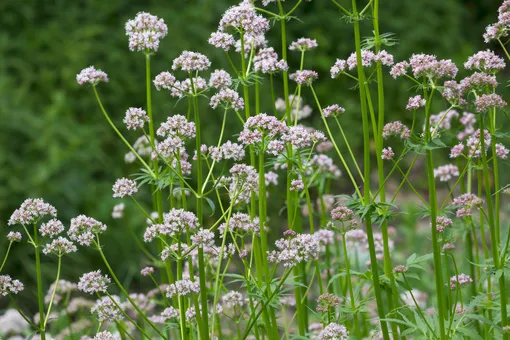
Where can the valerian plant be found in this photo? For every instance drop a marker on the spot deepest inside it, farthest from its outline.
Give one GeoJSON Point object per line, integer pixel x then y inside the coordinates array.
{"type": "Point", "coordinates": [332, 272]}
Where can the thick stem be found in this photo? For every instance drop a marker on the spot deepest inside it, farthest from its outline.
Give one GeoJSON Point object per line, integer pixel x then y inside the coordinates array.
{"type": "Point", "coordinates": [40, 296]}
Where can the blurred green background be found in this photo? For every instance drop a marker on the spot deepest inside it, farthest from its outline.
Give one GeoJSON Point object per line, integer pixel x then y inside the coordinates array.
{"type": "Point", "coordinates": [55, 143]}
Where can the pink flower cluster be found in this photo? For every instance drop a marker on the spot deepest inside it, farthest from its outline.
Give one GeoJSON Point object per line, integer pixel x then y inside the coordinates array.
{"type": "Point", "coordinates": [30, 211]}
{"type": "Point", "coordinates": [396, 128]}
{"type": "Point", "coordinates": [145, 32]}
{"type": "Point", "coordinates": [294, 250]}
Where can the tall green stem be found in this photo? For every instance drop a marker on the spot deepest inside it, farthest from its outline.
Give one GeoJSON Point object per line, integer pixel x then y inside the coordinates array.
{"type": "Point", "coordinates": [438, 267]}
{"type": "Point", "coordinates": [366, 175]}
{"type": "Point", "coordinates": [40, 296]}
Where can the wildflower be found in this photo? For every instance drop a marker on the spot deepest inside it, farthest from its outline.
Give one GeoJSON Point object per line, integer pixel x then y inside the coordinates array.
{"type": "Point", "coordinates": [474, 143]}
{"type": "Point", "coordinates": [190, 314]}
{"type": "Point", "coordinates": [135, 118]}
{"type": "Point", "coordinates": [333, 331]}
{"type": "Point", "coordinates": [478, 81]}
{"type": "Point", "coordinates": [118, 211]}
{"type": "Point", "coordinates": [338, 68]}
{"type": "Point", "coordinates": [241, 223]}
{"type": "Point", "coordinates": [244, 18]}
{"type": "Point", "coordinates": [271, 178]}
{"type": "Point", "coordinates": [228, 150]}
{"type": "Point", "coordinates": [467, 120]}
{"type": "Point", "coordinates": [220, 79]}
{"type": "Point", "coordinates": [147, 271]}
{"type": "Point", "coordinates": [387, 154]}
{"type": "Point", "coordinates": [384, 58]}
{"type": "Point", "coordinates": [448, 247]}
{"type": "Point", "coordinates": [442, 223]}
{"type": "Point", "coordinates": [170, 147]}
{"type": "Point", "coordinates": [174, 222]}
{"type": "Point", "coordinates": [415, 103]}
{"type": "Point", "coordinates": [182, 287]}
{"type": "Point", "coordinates": [266, 61]}
{"type": "Point", "coordinates": [222, 40]}
{"type": "Point", "coordinates": [254, 42]}
{"type": "Point", "coordinates": [51, 228]}
{"type": "Point", "coordinates": [227, 98]}
{"type": "Point", "coordinates": [296, 185]}
{"type": "Point", "coordinates": [83, 229]}
{"type": "Point", "coordinates": [14, 236]}
{"type": "Point", "coordinates": [367, 58]}
{"type": "Point", "coordinates": [501, 151]}
{"type": "Point", "coordinates": [465, 203]}
{"type": "Point", "coordinates": [145, 32]}
{"type": "Point", "coordinates": [92, 76]}
{"type": "Point", "coordinates": [487, 101]}
{"type": "Point", "coordinates": [243, 181]}
{"type": "Point", "coordinates": [327, 301]}
{"type": "Point", "coordinates": [63, 289]}
{"type": "Point", "coordinates": [93, 282]}
{"type": "Point", "coordinates": [203, 238]}
{"type": "Point", "coordinates": [164, 80]}
{"type": "Point", "coordinates": [170, 313]}
{"type": "Point", "coordinates": [301, 137]}
{"type": "Point", "coordinates": [233, 299]}
{"type": "Point", "coordinates": [60, 247]}
{"type": "Point", "coordinates": [8, 285]}
{"type": "Point", "coordinates": [107, 310]}
{"type": "Point", "coordinates": [303, 44]}
{"type": "Point", "coordinates": [305, 77]}
{"type": "Point", "coordinates": [453, 93]}
{"type": "Point", "coordinates": [493, 32]}
{"type": "Point", "coordinates": [400, 269]}
{"type": "Point", "coordinates": [262, 125]}
{"type": "Point", "coordinates": [424, 65]}
{"type": "Point", "coordinates": [446, 172]}
{"type": "Point", "coordinates": [124, 187]}
{"type": "Point", "coordinates": [332, 110]}
{"type": "Point", "coordinates": [399, 69]}
{"type": "Point", "coordinates": [177, 126]}
{"type": "Point", "coordinates": [342, 214]}
{"type": "Point", "coordinates": [294, 250]}
{"type": "Point", "coordinates": [396, 129]}
{"type": "Point", "coordinates": [185, 88]}
{"type": "Point", "coordinates": [457, 150]}
{"type": "Point", "coordinates": [485, 61]}
{"type": "Point", "coordinates": [30, 211]}
{"type": "Point", "coordinates": [191, 61]}
{"type": "Point", "coordinates": [460, 281]}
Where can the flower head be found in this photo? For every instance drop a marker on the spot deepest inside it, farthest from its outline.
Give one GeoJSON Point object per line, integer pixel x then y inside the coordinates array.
{"type": "Point", "coordinates": [487, 101]}
{"type": "Point", "coordinates": [51, 228]}
{"type": "Point", "coordinates": [182, 287]}
{"type": "Point", "coordinates": [145, 32]}
{"type": "Point", "coordinates": [191, 61]}
{"type": "Point", "coordinates": [220, 79]}
{"type": "Point", "coordinates": [303, 44]}
{"type": "Point", "coordinates": [124, 187]}
{"type": "Point", "coordinates": [294, 250]}
{"type": "Point", "coordinates": [14, 236]}
{"type": "Point", "coordinates": [244, 18]}
{"type": "Point", "coordinates": [164, 80]}
{"type": "Point", "coordinates": [135, 118]}
{"type": "Point", "coordinates": [485, 61]}
{"type": "Point", "coordinates": [415, 103]}
{"type": "Point", "coordinates": [8, 285]}
{"type": "Point", "coordinates": [266, 61]}
{"type": "Point", "coordinates": [332, 110]}
{"type": "Point", "coordinates": [83, 229]}
{"type": "Point", "coordinates": [59, 247]}
{"type": "Point", "coordinates": [93, 282]}
{"type": "Point", "coordinates": [227, 98]}
{"type": "Point", "coordinates": [334, 331]}
{"type": "Point", "coordinates": [30, 211]}
{"type": "Point", "coordinates": [106, 310]}
{"type": "Point", "coordinates": [177, 126]}
{"type": "Point", "coordinates": [305, 77]}
{"type": "Point", "coordinates": [91, 76]}
{"type": "Point", "coordinates": [222, 40]}
{"type": "Point", "coordinates": [446, 172]}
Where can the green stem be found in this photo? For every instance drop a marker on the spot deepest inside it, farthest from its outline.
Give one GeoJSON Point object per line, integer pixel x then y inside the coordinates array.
{"type": "Point", "coordinates": [6, 256]}
{"type": "Point", "coordinates": [120, 134]}
{"type": "Point", "coordinates": [438, 268]}
{"type": "Point", "coordinates": [366, 164]}
{"type": "Point", "coordinates": [352, 298]}
{"type": "Point", "coordinates": [53, 293]}
{"type": "Point", "coordinates": [40, 296]}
